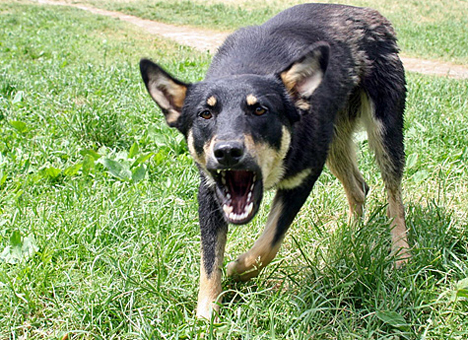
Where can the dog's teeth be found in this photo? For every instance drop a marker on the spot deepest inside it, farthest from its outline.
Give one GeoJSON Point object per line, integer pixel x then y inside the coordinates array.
{"type": "Point", "coordinates": [255, 178]}
{"type": "Point", "coordinates": [227, 209]}
{"type": "Point", "coordinates": [249, 196]}
{"type": "Point", "coordinates": [228, 196]}
{"type": "Point", "coordinates": [249, 208]}
{"type": "Point", "coordinates": [252, 187]}
{"type": "Point", "coordinates": [237, 217]}
{"type": "Point", "coordinates": [223, 180]}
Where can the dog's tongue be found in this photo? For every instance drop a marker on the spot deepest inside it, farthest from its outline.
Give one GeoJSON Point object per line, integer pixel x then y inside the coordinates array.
{"type": "Point", "coordinates": [239, 184]}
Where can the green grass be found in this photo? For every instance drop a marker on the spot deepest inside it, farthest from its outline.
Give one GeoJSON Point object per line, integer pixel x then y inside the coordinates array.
{"type": "Point", "coordinates": [98, 227]}
{"type": "Point", "coordinates": [430, 29]}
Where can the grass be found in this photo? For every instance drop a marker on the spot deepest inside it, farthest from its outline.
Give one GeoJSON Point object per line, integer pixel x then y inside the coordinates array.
{"type": "Point", "coordinates": [98, 227]}
{"type": "Point", "coordinates": [430, 29]}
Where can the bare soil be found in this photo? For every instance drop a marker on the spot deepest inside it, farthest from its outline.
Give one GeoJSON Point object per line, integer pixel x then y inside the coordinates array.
{"type": "Point", "coordinates": [209, 40]}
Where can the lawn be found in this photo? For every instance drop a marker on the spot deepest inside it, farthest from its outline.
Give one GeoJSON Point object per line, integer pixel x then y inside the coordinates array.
{"type": "Point", "coordinates": [99, 232]}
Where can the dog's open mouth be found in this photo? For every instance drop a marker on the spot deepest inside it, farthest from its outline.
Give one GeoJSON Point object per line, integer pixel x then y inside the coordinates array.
{"type": "Point", "coordinates": [240, 192]}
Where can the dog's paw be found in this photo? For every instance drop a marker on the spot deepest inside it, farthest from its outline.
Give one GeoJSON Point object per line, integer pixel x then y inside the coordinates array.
{"type": "Point", "coordinates": [231, 269]}
{"type": "Point", "coordinates": [208, 310]}
{"type": "Point", "coordinates": [402, 258]}
{"type": "Point", "coordinates": [238, 272]}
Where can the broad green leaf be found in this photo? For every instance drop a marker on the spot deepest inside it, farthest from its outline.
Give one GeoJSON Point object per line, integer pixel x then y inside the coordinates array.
{"type": "Point", "coordinates": [411, 161]}
{"type": "Point", "coordinates": [91, 153]}
{"type": "Point", "coordinates": [117, 169]}
{"type": "Point", "coordinates": [15, 238]}
{"type": "Point", "coordinates": [29, 247]}
{"type": "Point", "coordinates": [421, 176]}
{"type": "Point", "coordinates": [142, 159]}
{"type": "Point", "coordinates": [51, 172]}
{"type": "Point", "coordinates": [159, 157]}
{"type": "Point", "coordinates": [88, 164]}
{"type": "Point", "coordinates": [393, 319]}
{"type": "Point", "coordinates": [21, 127]}
{"type": "Point", "coordinates": [19, 193]}
{"type": "Point", "coordinates": [133, 150]}
{"type": "Point", "coordinates": [18, 97]}
{"type": "Point", "coordinates": [463, 283]}
{"type": "Point", "coordinates": [3, 178]}
{"type": "Point", "coordinates": [462, 288]}
{"type": "Point", "coordinates": [19, 249]}
{"type": "Point", "coordinates": [139, 174]}
{"type": "Point", "coordinates": [73, 170]}
{"type": "Point", "coordinates": [462, 293]}
{"type": "Point", "coordinates": [9, 255]}
{"type": "Point", "coordinates": [26, 166]}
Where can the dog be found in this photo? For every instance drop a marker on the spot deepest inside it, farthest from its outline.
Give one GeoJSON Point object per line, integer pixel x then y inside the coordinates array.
{"type": "Point", "coordinates": [278, 103]}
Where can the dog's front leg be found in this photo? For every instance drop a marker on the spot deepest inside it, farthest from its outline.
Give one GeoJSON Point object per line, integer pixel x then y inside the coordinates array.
{"type": "Point", "coordinates": [213, 228]}
{"type": "Point", "coordinates": [285, 207]}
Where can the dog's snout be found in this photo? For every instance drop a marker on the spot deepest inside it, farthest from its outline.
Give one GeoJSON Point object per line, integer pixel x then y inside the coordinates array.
{"type": "Point", "coordinates": [229, 153]}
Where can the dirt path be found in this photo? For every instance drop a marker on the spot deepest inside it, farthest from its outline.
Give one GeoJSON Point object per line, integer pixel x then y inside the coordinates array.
{"type": "Point", "coordinates": [209, 40]}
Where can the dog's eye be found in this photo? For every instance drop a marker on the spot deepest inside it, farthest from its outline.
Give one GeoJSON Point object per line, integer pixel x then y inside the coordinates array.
{"type": "Point", "coordinates": [206, 114]}
{"type": "Point", "coordinates": [260, 110]}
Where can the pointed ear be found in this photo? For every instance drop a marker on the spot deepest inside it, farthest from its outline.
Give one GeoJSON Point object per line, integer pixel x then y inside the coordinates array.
{"type": "Point", "coordinates": [168, 92]}
{"type": "Point", "coordinates": [303, 76]}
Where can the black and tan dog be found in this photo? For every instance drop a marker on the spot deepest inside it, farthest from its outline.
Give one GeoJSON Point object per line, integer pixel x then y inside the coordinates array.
{"type": "Point", "coordinates": [279, 101]}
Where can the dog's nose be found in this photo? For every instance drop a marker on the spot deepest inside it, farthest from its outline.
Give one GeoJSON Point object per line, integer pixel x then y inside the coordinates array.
{"type": "Point", "coordinates": [229, 153]}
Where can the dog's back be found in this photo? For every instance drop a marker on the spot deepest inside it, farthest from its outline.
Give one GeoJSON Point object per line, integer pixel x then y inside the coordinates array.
{"type": "Point", "coordinates": [358, 37]}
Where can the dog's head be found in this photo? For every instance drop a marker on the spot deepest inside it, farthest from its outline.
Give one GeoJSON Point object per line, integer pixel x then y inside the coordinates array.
{"type": "Point", "coordinates": [238, 128]}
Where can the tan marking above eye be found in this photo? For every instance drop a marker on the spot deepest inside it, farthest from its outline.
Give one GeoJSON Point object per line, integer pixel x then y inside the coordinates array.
{"type": "Point", "coordinates": [251, 100]}
{"type": "Point", "coordinates": [211, 101]}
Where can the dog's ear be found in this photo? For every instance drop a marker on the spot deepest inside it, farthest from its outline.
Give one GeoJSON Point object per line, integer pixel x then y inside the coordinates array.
{"type": "Point", "coordinates": [303, 76]}
{"type": "Point", "coordinates": [168, 92]}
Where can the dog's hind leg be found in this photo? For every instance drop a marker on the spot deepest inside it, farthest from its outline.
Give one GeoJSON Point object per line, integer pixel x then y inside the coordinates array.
{"type": "Point", "coordinates": [342, 163]}
{"type": "Point", "coordinates": [286, 205]}
{"type": "Point", "coordinates": [384, 123]}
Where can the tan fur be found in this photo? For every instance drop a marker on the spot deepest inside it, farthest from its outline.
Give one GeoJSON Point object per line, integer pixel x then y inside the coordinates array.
{"type": "Point", "coordinates": [295, 181]}
{"type": "Point", "coordinates": [169, 96]}
{"type": "Point", "coordinates": [200, 159]}
{"type": "Point", "coordinates": [303, 104]}
{"type": "Point", "coordinates": [342, 163]}
{"type": "Point", "coordinates": [211, 101]}
{"type": "Point", "coordinates": [208, 148]}
{"type": "Point", "coordinates": [210, 286]}
{"type": "Point", "coordinates": [269, 159]}
{"type": "Point", "coordinates": [249, 264]}
{"type": "Point", "coordinates": [172, 116]}
{"type": "Point", "coordinates": [396, 210]}
{"type": "Point", "coordinates": [293, 78]}
{"type": "Point", "coordinates": [251, 100]}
